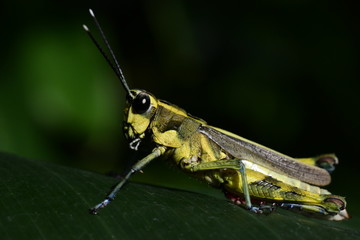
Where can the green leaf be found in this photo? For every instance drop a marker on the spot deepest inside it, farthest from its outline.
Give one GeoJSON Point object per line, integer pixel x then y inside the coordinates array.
{"type": "Point", "coordinates": [46, 201]}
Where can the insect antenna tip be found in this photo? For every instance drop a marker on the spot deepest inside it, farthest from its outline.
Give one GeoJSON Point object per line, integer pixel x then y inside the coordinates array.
{"type": "Point", "coordinates": [85, 28]}
{"type": "Point", "coordinates": [91, 12]}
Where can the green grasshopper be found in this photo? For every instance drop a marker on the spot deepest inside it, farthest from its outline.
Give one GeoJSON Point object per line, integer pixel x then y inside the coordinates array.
{"type": "Point", "coordinates": [251, 175]}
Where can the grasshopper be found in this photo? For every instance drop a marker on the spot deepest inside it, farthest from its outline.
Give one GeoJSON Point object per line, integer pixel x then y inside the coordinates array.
{"type": "Point", "coordinates": [251, 175]}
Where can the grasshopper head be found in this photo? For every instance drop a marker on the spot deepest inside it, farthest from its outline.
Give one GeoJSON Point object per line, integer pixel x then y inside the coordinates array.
{"type": "Point", "coordinates": [141, 107]}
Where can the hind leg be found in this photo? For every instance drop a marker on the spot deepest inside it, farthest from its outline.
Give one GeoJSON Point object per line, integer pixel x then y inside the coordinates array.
{"type": "Point", "coordinates": [325, 161]}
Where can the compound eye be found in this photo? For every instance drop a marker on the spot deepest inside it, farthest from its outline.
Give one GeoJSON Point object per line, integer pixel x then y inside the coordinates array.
{"type": "Point", "coordinates": [141, 103]}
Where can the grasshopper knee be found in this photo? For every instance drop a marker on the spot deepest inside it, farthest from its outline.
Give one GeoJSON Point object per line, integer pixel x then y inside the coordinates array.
{"type": "Point", "coordinates": [327, 162]}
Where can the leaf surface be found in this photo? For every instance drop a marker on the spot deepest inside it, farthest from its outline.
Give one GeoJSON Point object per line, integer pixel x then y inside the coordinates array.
{"type": "Point", "coordinates": [47, 201]}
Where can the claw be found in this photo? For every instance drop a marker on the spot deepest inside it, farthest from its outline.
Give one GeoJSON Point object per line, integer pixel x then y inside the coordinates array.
{"type": "Point", "coordinates": [103, 204]}
{"type": "Point", "coordinates": [93, 211]}
{"type": "Point", "coordinates": [256, 210]}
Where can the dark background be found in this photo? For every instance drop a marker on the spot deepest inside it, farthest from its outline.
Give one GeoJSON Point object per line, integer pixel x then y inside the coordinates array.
{"type": "Point", "coordinates": [284, 74]}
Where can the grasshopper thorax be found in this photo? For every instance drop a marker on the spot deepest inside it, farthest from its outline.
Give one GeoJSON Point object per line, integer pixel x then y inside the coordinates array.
{"type": "Point", "coordinates": [139, 111]}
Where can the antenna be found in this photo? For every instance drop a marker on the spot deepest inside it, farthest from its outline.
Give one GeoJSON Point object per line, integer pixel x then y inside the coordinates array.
{"type": "Point", "coordinates": [115, 68]}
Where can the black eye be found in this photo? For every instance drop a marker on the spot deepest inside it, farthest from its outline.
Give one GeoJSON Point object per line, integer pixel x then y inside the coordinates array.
{"type": "Point", "coordinates": [141, 103]}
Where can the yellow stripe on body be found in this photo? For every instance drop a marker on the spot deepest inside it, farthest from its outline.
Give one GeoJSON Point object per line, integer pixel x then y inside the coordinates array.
{"type": "Point", "coordinates": [177, 110]}
{"type": "Point", "coordinates": [173, 108]}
